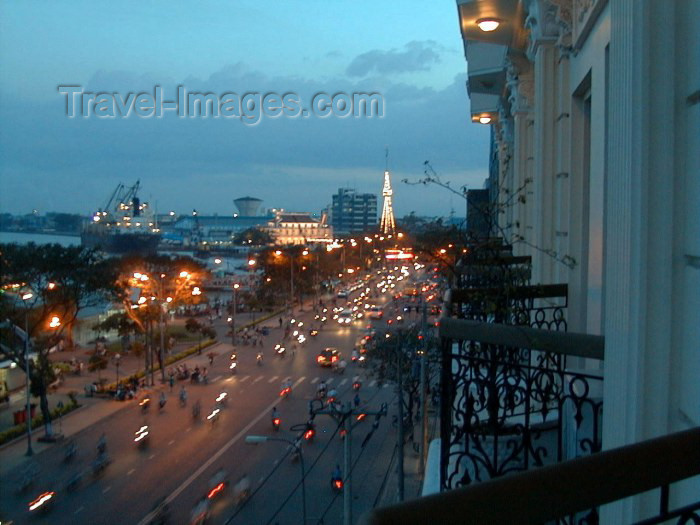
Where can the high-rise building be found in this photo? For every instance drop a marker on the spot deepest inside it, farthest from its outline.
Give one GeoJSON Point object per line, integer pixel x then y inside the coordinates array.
{"type": "Point", "coordinates": [353, 212]}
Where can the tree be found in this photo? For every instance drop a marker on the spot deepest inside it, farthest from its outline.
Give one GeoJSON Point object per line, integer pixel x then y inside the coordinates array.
{"type": "Point", "coordinates": [45, 287]}
{"type": "Point", "coordinates": [253, 237]}
{"type": "Point", "coordinates": [195, 327]}
{"type": "Point", "coordinates": [504, 200]}
{"type": "Point", "coordinates": [402, 349]}
{"type": "Point", "coordinates": [160, 282]}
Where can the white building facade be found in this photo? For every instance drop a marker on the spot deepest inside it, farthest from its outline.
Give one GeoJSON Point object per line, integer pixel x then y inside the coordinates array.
{"type": "Point", "coordinates": [299, 228]}
{"type": "Point", "coordinates": [595, 106]}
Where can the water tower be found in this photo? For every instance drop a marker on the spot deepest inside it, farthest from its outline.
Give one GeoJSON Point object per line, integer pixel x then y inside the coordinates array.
{"type": "Point", "coordinates": [248, 206]}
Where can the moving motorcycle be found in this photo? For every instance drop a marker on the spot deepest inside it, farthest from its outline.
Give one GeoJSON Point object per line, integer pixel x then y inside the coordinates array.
{"type": "Point", "coordinates": [217, 484]}
{"type": "Point", "coordinates": [42, 503]}
{"type": "Point", "coordinates": [100, 464]}
{"type": "Point", "coordinates": [70, 451]}
{"type": "Point", "coordinates": [276, 420]}
{"type": "Point", "coordinates": [232, 367]}
{"type": "Point", "coordinates": [141, 437]}
{"type": "Point", "coordinates": [337, 480]}
{"type": "Point", "coordinates": [214, 416]}
{"type": "Point", "coordinates": [221, 400]}
{"type": "Point", "coordinates": [259, 358]}
{"type": "Point", "coordinates": [280, 350]}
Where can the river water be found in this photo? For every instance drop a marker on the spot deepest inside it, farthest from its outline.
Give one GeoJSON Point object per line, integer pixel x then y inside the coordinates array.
{"type": "Point", "coordinates": [39, 238]}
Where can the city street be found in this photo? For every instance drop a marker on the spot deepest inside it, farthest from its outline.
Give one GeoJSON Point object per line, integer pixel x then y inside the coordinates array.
{"type": "Point", "coordinates": [183, 454]}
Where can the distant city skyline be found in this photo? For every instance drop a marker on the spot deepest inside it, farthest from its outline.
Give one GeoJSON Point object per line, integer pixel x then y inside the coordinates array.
{"type": "Point", "coordinates": [51, 162]}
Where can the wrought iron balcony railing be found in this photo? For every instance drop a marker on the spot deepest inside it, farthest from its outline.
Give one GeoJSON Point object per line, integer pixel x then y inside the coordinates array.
{"type": "Point", "coordinates": [511, 401]}
{"type": "Point", "coordinates": [564, 492]}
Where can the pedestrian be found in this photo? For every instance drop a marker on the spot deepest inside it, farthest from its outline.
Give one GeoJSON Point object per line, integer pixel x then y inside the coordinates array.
{"type": "Point", "coordinates": [280, 321]}
{"type": "Point", "coordinates": [172, 380]}
{"type": "Point", "coordinates": [357, 400]}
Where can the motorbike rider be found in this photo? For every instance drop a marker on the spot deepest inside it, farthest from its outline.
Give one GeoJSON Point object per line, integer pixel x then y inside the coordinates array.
{"type": "Point", "coordinates": [322, 389]}
{"type": "Point", "coordinates": [102, 444]}
{"type": "Point", "coordinates": [162, 400]}
{"type": "Point", "coordinates": [275, 414]}
{"type": "Point", "coordinates": [196, 409]}
{"type": "Point", "coordinates": [242, 489]}
{"type": "Point", "coordinates": [337, 473]}
{"type": "Point", "coordinates": [183, 396]}
{"type": "Point", "coordinates": [287, 384]}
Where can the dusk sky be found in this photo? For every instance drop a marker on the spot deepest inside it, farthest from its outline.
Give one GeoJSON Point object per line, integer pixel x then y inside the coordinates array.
{"type": "Point", "coordinates": [410, 52]}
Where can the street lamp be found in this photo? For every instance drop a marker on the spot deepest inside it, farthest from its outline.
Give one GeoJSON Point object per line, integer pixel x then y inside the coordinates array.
{"type": "Point", "coordinates": [117, 359]}
{"type": "Point", "coordinates": [254, 440]}
{"type": "Point", "coordinates": [236, 286]}
{"type": "Point", "coordinates": [25, 298]}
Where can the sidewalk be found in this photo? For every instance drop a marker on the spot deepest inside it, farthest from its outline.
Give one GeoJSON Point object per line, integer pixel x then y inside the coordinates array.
{"type": "Point", "coordinates": [92, 409]}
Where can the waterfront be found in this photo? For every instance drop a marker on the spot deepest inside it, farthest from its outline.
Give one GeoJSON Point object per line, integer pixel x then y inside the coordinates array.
{"type": "Point", "coordinates": [39, 238]}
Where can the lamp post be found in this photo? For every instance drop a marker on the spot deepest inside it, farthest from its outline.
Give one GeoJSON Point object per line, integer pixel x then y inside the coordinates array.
{"type": "Point", "coordinates": [254, 440]}
{"type": "Point", "coordinates": [25, 298]}
{"type": "Point", "coordinates": [117, 358]}
{"type": "Point", "coordinates": [291, 283]}
{"type": "Point", "coordinates": [233, 315]}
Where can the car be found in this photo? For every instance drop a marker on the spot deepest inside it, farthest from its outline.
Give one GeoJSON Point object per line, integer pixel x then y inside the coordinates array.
{"type": "Point", "coordinates": [375, 312]}
{"type": "Point", "coordinates": [328, 356]}
{"type": "Point", "coordinates": [345, 317]}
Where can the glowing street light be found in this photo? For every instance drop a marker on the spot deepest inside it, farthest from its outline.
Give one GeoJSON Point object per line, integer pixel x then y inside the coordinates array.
{"type": "Point", "coordinates": [488, 24]}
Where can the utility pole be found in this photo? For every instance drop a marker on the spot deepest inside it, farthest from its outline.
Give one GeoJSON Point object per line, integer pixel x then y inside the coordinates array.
{"type": "Point", "coordinates": [291, 282]}
{"type": "Point", "coordinates": [347, 489]}
{"type": "Point", "coordinates": [28, 383]}
{"type": "Point", "coordinates": [233, 317]}
{"type": "Point", "coordinates": [162, 332]}
{"type": "Point", "coordinates": [423, 379]}
{"type": "Point", "coordinates": [399, 466]}
{"type": "Point", "coordinates": [343, 416]}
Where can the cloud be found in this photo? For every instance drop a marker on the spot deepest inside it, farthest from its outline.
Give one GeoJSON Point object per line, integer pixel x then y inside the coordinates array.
{"type": "Point", "coordinates": [415, 56]}
{"type": "Point", "coordinates": [206, 163]}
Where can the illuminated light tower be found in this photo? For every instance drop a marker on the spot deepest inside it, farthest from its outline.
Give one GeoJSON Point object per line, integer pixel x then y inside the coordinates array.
{"type": "Point", "coordinates": [387, 225]}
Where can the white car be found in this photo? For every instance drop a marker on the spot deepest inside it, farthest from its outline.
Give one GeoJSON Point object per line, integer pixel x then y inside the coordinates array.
{"type": "Point", "coordinates": [345, 317]}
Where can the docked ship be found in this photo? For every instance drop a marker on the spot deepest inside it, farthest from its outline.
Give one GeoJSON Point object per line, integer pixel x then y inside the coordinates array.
{"type": "Point", "coordinates": [124, 225]}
